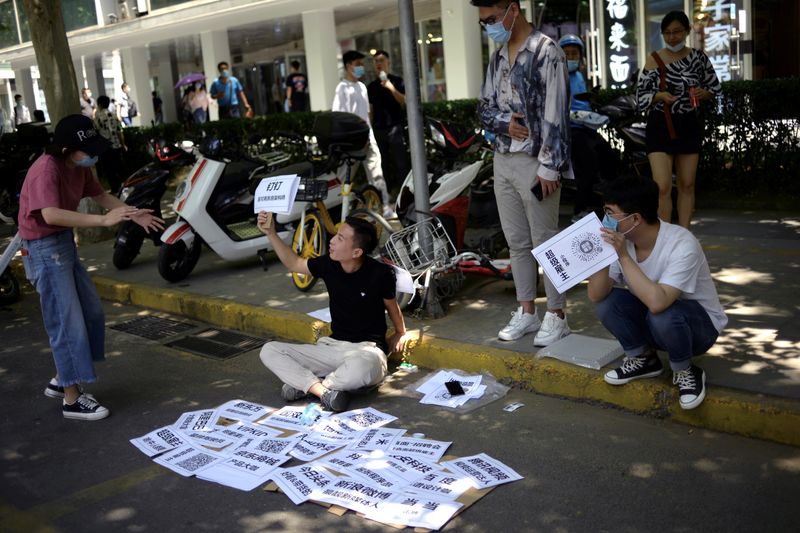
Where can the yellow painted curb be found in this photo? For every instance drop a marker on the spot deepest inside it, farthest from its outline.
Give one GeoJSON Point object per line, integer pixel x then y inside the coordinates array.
{"type": "Point", "coordinates": [727, 410]}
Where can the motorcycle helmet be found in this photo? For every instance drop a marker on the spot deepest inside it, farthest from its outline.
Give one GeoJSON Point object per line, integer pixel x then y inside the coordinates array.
{"type": "Point", "coordinates": [571, 40]}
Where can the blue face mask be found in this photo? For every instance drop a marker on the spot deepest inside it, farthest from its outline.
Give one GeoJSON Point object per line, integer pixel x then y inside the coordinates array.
{"type": "Point", "coordinates": [86, 161]}
{"type": "Point", "coordinates": [573, 64]}
{"type": "Point", "coordinates": [612, 223]}
{"type": "Point", "coordinates": [358, 71]}
{"type": "Point", "coordinates": [497, 32]}
{"type": "Point", "coordinates": [226, 74]}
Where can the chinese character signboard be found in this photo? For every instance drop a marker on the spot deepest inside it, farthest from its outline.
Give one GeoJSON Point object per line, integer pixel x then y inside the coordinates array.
{"type": "Point", "coordinates": [718, 24]}
{"type": "Point", "coordinates": [621, 43]}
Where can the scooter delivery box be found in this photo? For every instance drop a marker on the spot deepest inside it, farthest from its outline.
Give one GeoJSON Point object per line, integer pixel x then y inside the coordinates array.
{"type": "Point", "coordinates": [345, 132]}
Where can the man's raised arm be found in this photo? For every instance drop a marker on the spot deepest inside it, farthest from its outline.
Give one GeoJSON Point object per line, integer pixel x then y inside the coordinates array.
{"type": "Point", "coordinates": [290, 260]}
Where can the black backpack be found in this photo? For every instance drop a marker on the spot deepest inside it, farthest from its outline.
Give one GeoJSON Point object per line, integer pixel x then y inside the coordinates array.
{"type": "Point", "coordinates": [133, 111]}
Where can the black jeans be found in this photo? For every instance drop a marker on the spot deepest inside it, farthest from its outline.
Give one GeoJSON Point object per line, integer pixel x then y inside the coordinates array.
{"type": "Point", "coordinates": [394, 153]}
{"type": "Point", "coordinates": [110, 168]}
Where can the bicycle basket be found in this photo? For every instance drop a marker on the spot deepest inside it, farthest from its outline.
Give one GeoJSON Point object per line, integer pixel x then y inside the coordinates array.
{"type": "Point", "coordinates": [311, 189]}
{"type": "Point", "coordinates": [405, 248]}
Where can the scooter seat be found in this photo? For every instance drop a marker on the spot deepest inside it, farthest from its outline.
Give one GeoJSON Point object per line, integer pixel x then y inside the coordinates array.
{"type": "Point", "coordinates": [237, 173]}
{"type": "Point", "coordinates": [304, 169]}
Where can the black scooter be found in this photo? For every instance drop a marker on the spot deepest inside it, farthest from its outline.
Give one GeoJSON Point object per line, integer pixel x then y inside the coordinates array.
{"type": "Point", "coordinates": [144, 189]}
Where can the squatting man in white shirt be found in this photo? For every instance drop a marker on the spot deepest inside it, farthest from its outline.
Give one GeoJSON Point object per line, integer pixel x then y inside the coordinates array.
{"type": "Point", "coordinates": [669, 301]}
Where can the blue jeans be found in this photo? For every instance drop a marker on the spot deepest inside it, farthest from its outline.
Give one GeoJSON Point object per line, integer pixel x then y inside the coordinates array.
{"type": "Point", "coordinates": [127, 121]}
{"type": "Point", "coordinates": [71, 309]}
{"type": "Point", "coordinates": [683, 330]}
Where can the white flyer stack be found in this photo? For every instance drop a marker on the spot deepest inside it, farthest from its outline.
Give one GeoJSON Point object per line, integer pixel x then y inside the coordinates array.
{"type": "Point", "coordinates": [435, 389]}
{"type": "Point", "coordinates": [349, 459]}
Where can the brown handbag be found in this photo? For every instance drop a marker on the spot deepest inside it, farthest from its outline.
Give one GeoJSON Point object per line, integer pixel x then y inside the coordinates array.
{"type": "Point", "coordinates": [662, 86]}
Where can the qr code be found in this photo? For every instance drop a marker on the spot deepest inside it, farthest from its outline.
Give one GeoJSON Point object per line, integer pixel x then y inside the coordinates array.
{"type": "Point", "coordinates": [272, 446]}
{"type": "Point", "coordinates": [195, 462]}
{"type": "Point", "coordinates": [366, 419]}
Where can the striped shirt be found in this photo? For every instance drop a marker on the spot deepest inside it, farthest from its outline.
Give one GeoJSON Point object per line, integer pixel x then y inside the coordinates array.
{"type": "Point", "coordinates": [536, 86]}
{"type": "Point", "coordinates": [694, 70]}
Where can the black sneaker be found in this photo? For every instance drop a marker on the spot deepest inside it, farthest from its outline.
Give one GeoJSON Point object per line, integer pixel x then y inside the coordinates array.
{"type": "Point", "coordinates": [54, 390]}
{"type": "Point", "coordinates": [646, 366]}
{"type": "Point", "coordinates": [290, 394]}
{"type": "Point", "coordinates": [85, 408]}
{"type": "Point", "coordinates": [691, 386]}
{"type": "Point", "coordinates": [335, 400]}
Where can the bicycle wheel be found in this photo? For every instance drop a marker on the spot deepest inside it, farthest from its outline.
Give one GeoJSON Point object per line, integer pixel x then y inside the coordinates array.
{"type": "Point", "coordinates": [368, 197]}
{"type": "Point", "coordinates": [310, 240]}
{"type": "Point", "coordinates": [367, 215]}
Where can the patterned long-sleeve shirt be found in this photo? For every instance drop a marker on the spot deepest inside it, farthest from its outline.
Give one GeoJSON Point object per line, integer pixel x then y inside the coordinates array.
{"type": "Point", "coordinates": [536, 86]}
{"type": "Point", "coordinates": [694, 70]}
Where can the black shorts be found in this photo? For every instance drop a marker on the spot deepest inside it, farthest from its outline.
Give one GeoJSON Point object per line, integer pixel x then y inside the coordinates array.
{"type": "Point", "coordinates": [686, 126]}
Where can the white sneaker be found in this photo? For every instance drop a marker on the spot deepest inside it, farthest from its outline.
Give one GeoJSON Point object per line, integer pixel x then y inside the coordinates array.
{"type": "Point", "coordinates": [553, 328]}
{"type": "Point", "coordinates": [520, 324]}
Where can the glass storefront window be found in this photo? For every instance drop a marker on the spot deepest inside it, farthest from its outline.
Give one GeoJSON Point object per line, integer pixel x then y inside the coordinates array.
{"type": "Point", "coordinates": [653, 13]}
{"type": "Point", "coordinates": [77, 14]}
{"type": "Point", "coordinates": [160, 4]}
{"type": "Point", "coordinates": [8, 25]}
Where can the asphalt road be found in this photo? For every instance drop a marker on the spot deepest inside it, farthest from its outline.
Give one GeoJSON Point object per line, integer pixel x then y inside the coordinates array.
{"type": "Point", "coordinates": [585, 467]}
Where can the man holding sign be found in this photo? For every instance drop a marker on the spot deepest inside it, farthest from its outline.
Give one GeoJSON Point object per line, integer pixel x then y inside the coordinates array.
{"type": "Point", "coordinates": [361, 291]}
{"type": "Point", "coordinates": [670, 302]}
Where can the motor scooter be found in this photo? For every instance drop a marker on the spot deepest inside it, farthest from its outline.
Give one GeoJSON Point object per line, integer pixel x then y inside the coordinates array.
{"type": "Point", "coordinates": [215, 205]}
{"type": "Point", "coordinates": [144, 189]}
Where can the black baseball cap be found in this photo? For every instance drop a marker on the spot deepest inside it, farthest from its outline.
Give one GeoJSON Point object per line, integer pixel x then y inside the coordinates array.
{"type": "Point", "coordinates": [77, 132]}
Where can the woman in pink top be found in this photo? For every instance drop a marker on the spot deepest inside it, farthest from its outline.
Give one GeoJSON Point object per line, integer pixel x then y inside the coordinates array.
{"type": "Point", "coordinates": [71, 309]}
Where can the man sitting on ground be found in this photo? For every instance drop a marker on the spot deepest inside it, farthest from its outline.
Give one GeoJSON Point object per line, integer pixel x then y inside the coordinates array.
{"type": "Point", "coordinates": [670, 303]}
{"type": "Point", "coordinates": [360, 290]}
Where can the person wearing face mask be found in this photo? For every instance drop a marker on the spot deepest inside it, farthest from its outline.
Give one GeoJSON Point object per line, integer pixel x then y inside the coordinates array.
{"type": "Point", "coordinates": [669, 301]}
{"type": "Point", "coordinates": [227, 91]}
{"type": "Point", "coordinates": [674, 83]}
{"type": "Point", "coordinates": [524, 101]}
{"type": "Point", "coordinates": [592, 157]}
{"type": "Point", "coordinates": [351, 97]}
{"type": "Point", "coordinates": [22, 114]}
{"type": "Point", "coordinates": [71, 310]}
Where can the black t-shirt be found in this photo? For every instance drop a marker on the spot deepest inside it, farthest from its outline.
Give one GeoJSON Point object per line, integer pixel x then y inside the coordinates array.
{"type": "Point", "coordinates": [356, 299]}
{"type": "Point", "coordinates": [299, 84]}
{"type": "Point", "coordinates": [386, 111]}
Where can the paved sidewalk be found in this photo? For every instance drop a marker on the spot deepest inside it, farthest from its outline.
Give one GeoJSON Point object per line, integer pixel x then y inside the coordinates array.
{"type": "Point", "coordinates": [753, 373]}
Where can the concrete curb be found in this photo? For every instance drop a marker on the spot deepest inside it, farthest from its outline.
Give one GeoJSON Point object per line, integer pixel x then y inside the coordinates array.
{"type": "Point", "coordinates": [728, 410]}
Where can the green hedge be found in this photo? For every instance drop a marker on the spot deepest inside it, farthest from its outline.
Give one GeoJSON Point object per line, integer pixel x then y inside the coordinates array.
{"type": "Point", "coordinates": [751, 148]}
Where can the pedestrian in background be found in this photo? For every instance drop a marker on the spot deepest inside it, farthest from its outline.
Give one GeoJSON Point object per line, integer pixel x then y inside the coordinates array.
{"type": "Point", "coordinates": [71, 309]}
{"type": "Point", "coordinates": [158, 108]}
{"type": "Point", "coordinates": [228, 92]}
{"type": "Point", "coordinates": [198, 103]}
{"type": "Point", "coordinates": [88, 105]}
{"type": "Point", "coordinates": [110, 164]}
{"type": "Point", "coordinates": [351, 97]}
{"type": "Point", "coordinates": [525, 102]}
{"type": "Point", "coordinates": [22, 114]}
{"type": "Point", "coordinates": [297, 89]}
{"type": "Point", "coordinates": [387, 99]}
{"type": "Point", "coordinates": [674, 82]}
{"type": "Point", "coordinates": [126, 107]}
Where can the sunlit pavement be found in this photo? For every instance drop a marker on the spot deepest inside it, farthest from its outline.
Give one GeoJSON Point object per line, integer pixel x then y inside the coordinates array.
{"type": "Point", "coordinates": [585, 468]}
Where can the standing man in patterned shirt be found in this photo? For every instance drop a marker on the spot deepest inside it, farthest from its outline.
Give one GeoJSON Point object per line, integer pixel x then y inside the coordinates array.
{"type": "Point", "coordinates": [525, 102]}
{"type": "Point", "coordinates": [110, 129]}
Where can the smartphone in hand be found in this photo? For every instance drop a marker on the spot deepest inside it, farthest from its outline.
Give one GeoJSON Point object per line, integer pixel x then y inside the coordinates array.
{"type": "Point", "coordinates": [537, 190]}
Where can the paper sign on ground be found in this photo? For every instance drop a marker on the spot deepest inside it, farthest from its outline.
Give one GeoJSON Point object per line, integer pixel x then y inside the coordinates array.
{"type": "Point", "coordinates": [414, 511]}
{"type": "Point", "coordinates": [242, 410]}
{"type": "Point", "coordinates": [255, 463]}
{"type": "Point", "coordinates": [313, 446]}
{"type": "Point", "coordinates": [188, 460]}
{"type": "Point", "coordinates": [224, 475]}
{"type": "Point", "coordinates": [275, 445]}
{"type": "Point", "coordinates": [441, 485]}
{"type": "Point", "coordinates": [575, 253]}
{"type": "Point", "coordinates": [210, 439]}
{"type": "Point", "coordinates": [376, 439]}
{"type": "Point", "coordinates": [195, 421]}
{"type": "Point", "coordinates": [288, 417]}
{"type": "Point", "coordinates": [482, 470]}
{"type": "Point", "coordinates": [158, 441]}
{"type": "Point", "coordinates": [432, 450]}
{"type": "Point", "coordinates": [300, 482]}
{"type": "Point", "coordinates": [353, 494]}
{"type": "Point", "coordinates": [276, 194]}
{"type": "Point", "coordinates": [360, 419]}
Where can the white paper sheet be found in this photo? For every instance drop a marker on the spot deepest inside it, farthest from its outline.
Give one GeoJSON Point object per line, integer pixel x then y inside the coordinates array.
{"type": "Point", "coordinates": [353, 494]}
{"type": "Point", "coordinates": [188, 460]}
{"type": "Point", "coordinates": [441, 485]}
{"type": "Point", "coordinates": [376, 439]}
{"type": "Point", "coordinates": [274, 445]}
{"type": "Point", "coordinates": [254, 463]}
{"type": "Point", "coordinates": [321, 314]}
{"type": "Point", "coordinates": [343, 460]}
{"type": "Point", "coordinates": [430, 450]}
{"type": "Point", "coordinates": [313, 446]}
{"type": "Point", "coordinates": [202, 420]}
{"type": "Point", "coordinates": [403, 281]}
{"type": "Point", "coordinates": [158, 441]}
{"type": "Point", "coordinates": [209, 439]}
{"type": "Point", "coordinates": [575, 253]}
{"type": "Point", "coordinates": [483, 470]}
{"type": "Point", "coordinates": [300, 482]}
{"type": "Point", "coordinates": [441, 396]}
{"type": "Point", "coordinates": [288, 417]}
{"type": "Point", "coordinates": [276, 194]}
{"type": "Point", "coordinates": [360, 419]}
{"type": "Point", "coordinates": [243, 410]}
{"type": "Point", "coordinates": [224, 475]}
{"type": "Point", "coordinates": [414, 511]}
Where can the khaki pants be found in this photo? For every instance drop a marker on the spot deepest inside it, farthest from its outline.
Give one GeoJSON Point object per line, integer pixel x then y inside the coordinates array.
{"type": "Point", "coordinates": [526, 222]}
{"type": "Point", "coordinates": [343, 365]}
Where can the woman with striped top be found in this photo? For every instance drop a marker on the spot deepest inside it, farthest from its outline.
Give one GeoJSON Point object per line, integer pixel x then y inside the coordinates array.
{"type": "Point", "coordinates": [674, 82]}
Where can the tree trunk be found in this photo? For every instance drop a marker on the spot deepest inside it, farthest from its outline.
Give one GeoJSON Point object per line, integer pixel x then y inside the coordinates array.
{"type": "Point", "coordinates": [53, 57]}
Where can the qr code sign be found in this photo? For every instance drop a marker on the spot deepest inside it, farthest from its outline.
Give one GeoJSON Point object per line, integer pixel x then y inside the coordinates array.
{"type": "Point", "coordinates": [366, 419]}
{"type": "Point", "coordinates": [272, 446]}
{"type": "Point", "coordinates": [196, 462]}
